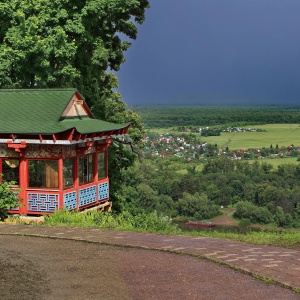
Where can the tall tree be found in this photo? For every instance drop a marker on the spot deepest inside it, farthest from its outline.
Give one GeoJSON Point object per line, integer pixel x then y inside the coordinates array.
{"type": "Point", "coordinates": [62, 43]}
{"type": "Point", "coordinates": [72, 43]}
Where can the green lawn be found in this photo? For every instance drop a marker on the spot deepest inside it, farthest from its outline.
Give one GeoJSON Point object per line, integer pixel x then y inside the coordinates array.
{"type": "Point", "coordinates": [276, 134]}
{"type": "Point", "coordinates": [279, 161]}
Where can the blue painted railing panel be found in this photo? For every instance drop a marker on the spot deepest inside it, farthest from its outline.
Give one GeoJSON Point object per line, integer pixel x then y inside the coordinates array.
{"type": "Point", "coordinates": [87, 195]}
{"type": "Point", "coordinates": [70, 200]}
{"type": "Point", "coordinates": [103, 191]}
{"type": "Point", "coordinates": [42, 202]}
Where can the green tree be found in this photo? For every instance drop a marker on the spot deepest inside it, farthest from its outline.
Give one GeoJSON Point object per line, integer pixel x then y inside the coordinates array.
{"type": "Point", "coordinates": [197, 206]}
{"type": "Point", "coordinates": [248, 211]}
{"type": "Point", "coordinates": [148, 198]}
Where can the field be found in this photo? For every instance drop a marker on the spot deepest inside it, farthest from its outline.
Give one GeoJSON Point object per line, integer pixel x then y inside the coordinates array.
{"type": "Point", "coordinates": [275, 134]}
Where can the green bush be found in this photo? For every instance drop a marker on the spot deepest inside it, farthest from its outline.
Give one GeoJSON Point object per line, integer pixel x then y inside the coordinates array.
{"type": "Point", "coordinates": [197, 206]}
{"type": "Point", "coordinates": [8, 198]}
{"type": "Point", "coordinates": [248, 210]}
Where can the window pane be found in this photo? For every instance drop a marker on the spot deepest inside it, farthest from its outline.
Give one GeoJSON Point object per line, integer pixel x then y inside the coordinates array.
{"type": "Point", "coordinates": [43, 173]}
{"type": "Point", "coordinates": [90, 168]}
{"type": "Point", "coordinates": [85, 169]}
{"type": "Point", "coordinates": [10, 170]}
{"type": "Point", "coordinates": [68, 172]}
{"type": "Point", "coordinates": [101, 165]}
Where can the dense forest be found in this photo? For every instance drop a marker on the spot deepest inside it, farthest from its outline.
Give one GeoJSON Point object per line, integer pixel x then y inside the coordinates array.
{"type": "Point", "coordinates": [168, 116]}
{"type": "Point", "coordinates": [261, 193]}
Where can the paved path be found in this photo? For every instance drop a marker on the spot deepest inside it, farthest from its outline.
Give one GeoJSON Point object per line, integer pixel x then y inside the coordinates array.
{"type": "Point", "coordinates": [282, 265]}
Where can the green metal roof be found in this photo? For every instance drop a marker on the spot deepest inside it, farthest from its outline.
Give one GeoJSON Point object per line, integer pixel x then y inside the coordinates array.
{"type": "Point", "coordinates": [37, 111]}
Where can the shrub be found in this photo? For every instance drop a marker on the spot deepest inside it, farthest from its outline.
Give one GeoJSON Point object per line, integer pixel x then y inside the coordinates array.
{"type": "Point", "coordinates": [8, 198]}
{"type": "Point", "coordinates": [247, 210]}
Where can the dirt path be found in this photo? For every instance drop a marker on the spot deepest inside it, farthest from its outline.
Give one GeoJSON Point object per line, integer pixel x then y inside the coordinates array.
{"type": "Point", "coordinates": [224, 219]}
{"type": "Point", "coordinates": [45, 268]}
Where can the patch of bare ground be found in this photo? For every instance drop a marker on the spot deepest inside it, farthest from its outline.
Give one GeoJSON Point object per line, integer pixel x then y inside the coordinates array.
{"type": "Point", "coordinates": [225, 218]}
{"type": "Point", "coordinates": [43, 268]}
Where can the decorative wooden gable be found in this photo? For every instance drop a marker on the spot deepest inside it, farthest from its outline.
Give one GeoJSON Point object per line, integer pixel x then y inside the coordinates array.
{"type": "Point", "coordinates": [76, 108]}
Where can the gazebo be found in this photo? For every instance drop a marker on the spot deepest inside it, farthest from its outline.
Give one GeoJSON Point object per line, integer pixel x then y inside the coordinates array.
{"type": "Point", "coordinates": [54, 150]}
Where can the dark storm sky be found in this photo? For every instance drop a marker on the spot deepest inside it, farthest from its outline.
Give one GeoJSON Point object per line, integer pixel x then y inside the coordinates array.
{"type": "Point", "coordinates": [215, 52]}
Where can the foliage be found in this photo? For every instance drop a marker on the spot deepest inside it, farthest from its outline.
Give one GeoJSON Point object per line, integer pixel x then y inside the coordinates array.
{"type": "Point", "coordinates": [62, 43]}
{"type": "Point", "coordinates": [260, 193]}
{"type": "Point", "coordinates": [197, 206]}
{"type": "Point", "coordinates": [210, 132]}
{"type": "Point", "coordinates": [235, 116]}
{"type": "Point", "coordinates": [247, 210]}
{"type": "Point", "coordinates": [8, 198]}
{"type": "Point", "coordinates": [150, 222]}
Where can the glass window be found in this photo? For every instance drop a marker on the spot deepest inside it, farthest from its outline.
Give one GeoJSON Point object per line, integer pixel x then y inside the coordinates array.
{"type": "Point", "coordinates": [101, 165]}
{"type": "Point", "coordinates": [85, 169]}
{"type": "Point", "coordinates": [43, 173]}
{"type": "Point", "coordinates": [68, 172]}
{"type": "Point", "coordinates": [10, 170]}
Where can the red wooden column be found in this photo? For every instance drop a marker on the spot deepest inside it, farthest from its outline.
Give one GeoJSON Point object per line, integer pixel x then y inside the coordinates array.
{"type": "Point", "coordinates": [23, 183]}
{"type": "Point", "coordinates": [76, 179]}
{"type": "Point", "coordinates": [95, 167]}
{"type": "Point", "coordinates": [61, 183]}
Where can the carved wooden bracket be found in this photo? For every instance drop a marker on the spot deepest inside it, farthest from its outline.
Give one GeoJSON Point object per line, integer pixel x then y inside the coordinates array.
{"type": "Point", "coordinates": [18, 147]}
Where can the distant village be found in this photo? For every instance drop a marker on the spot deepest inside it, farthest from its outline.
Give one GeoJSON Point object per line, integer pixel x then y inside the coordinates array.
{"type": "Point", "coordinates": [188, 146]}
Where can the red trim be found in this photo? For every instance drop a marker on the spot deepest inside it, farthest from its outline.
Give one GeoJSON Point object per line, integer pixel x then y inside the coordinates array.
{"type": "Point", "coordinates": [89, 145]}
{"type": "Point", "coordinates": [71, 135]}
{"type": "Point", "coordinates": [19, 148]}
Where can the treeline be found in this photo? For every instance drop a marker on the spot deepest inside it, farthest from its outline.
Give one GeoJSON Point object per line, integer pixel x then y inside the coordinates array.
{"type": "Point", "coordinates": [261, 193]}
{"type": "Point", "coordinates": [169, 116]}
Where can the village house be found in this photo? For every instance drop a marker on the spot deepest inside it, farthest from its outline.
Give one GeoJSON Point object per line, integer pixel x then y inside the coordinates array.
{"type": "Point", "coordinates": [54, 150]}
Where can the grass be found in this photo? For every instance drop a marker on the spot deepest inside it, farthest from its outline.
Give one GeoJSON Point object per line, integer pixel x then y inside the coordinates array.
{"type": "Point", "coordinates": [275, 162]}
{"type": "Point", "coordinates": [283, 238]}
{"type": "Point", "coordinates": [275, 134]}
{"type": "Point", "coordinates": [142, 222]}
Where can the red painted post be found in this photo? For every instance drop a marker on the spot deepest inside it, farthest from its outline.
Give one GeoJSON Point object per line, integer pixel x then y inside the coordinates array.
{"type": "Point", "coordinates": [23, 182]}
{"type": "Point", "coordinates": [76, 179]}
{"type": "Point", "coordinates": [61, 183]}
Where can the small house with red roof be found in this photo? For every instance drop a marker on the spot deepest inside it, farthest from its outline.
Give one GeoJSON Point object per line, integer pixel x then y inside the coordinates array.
{"type": "Point", "coordinates": [54, 150]}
